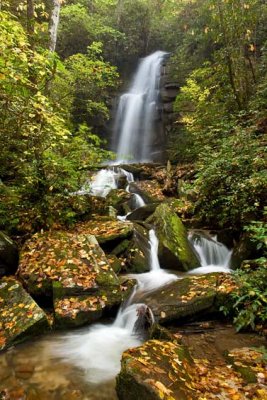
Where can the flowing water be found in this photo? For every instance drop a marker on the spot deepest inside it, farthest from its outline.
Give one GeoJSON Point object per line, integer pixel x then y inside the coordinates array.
{"type": "Point", "coordinates": [98, 351]}
{"type": "Point", "coordinates": [137, 111]}
{"type": "Point", "coordinates": [214, 256]}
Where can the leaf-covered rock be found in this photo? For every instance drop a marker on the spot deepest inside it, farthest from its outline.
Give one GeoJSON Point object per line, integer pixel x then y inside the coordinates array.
{"type": "Point", "coordinates": [190, 296]}
{"type": "Point", "coordinates": [20, 316]}
{"type": "Point", "coordinates": [74, 261]}
{"type": "Point", "coordinates": [106, 230]}
{"type": "Point", "coordinates": [175, 251]}
{"type": "Point", "coordinates": [165, 370]}
{"type": "Point", "coordinates": [137, 253]}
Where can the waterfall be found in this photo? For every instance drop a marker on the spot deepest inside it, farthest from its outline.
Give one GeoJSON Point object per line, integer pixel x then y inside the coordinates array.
{"type": "Point", "coordinates": [97, 351]}
{"type": "Point", "coordinates": [137, 110]}
{"type": "Point", "coordinates": [214, 256]}
{"type": "Point", "coordinates": [154, 244]}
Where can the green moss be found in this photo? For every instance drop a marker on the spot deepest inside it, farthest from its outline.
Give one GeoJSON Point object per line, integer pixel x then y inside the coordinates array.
{"type": "Point", "coordinates": [175, 251]}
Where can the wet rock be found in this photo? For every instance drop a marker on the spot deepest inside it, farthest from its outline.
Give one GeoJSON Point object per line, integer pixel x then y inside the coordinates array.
{"type": "Point", "coordinates": [137, 253]}
{"type": "Point", "coordinates": [175, 251]}
{"type": "Point", "coordinates": [9, 256]}
{"type": "Point", "coordinates": [150, 191]}
{"type": "Point", "coordinates": [142, 213]}
{"type": "Point", "coordinates": [116, 198]}
{"type": "Point", "coordinates": [189, 297]}
{"type": "Point", "coordinates": [156, 370]}
{"type": "Point", "coordinates": [20, 316]}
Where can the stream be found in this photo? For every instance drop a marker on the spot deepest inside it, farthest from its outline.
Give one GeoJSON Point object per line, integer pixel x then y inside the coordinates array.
{"type": "Point", "coordinates": [84, 363]}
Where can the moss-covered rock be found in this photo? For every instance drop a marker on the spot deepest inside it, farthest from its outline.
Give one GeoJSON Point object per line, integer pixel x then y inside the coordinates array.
{"type": "Point", "coordinates": [157, 370]}
{"type": "Point", "coordinates": [244, 249]}
{"type": "Point", "coordinates": [189, 297]}
{"type": "Point", "coordinates": [165, 370]}
{"type": "Point", "coordinates": [175, 250]}
{"type": "Point", "coordinates": [73, 271]}
{"type": "Point", "coordinates": [75, 262]}
{"type": "Point", "coordinates": [74, 311]}
{"type": "Point", "coordinates": [9, 256]}
{"type": "Point", "coordinates": [116, 198]}
{"type": "Point", "coordinates": [137, 253]}
{"type": "Point", "coordinates": [20, 316]}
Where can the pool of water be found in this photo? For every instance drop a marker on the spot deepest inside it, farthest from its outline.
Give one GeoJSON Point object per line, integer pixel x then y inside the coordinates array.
{"type": "Point", "coordinates": [30, 372]}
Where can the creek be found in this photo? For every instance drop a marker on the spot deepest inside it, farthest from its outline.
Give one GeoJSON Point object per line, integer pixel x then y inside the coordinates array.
{"type": "Point", "coordinates": [85, 362]}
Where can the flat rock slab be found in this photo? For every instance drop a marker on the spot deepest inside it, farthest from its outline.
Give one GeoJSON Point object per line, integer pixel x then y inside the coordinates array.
{"type": "Point", "coordinates": [165, 370]}
{"type": "Point", "coordinates": [189, 296]}
{"type": "Point", "coordinates": [75, 262]}
{"type": "Point", "coordinates": [20, 316]}
{"type": "Point", "coordinates": [79, 310]}
{"type": "Point", "coordinates": [106, 230]}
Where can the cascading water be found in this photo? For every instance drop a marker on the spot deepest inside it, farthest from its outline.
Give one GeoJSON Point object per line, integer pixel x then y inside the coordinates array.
{"type": "Point", "coordinates": [137, 110]}
{"type": "Point", "coordinates": [98, 351]}
{"type": "Point", "coordinates": [214, 256]}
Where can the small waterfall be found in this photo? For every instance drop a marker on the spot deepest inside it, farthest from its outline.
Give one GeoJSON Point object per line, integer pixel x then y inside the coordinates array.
{"type": "Point", "coordinates": [98, 350]}
{"type": "Point", "coordinates": [214, 256]}
{"type": "Point", "coordinates": [137, 110]}
{"type": "Point", "coordinates": [154, 244]}
{"type": "Point", "coordinates": [138, 201]}
{"type": "Point", "coordinates": [103, 183]}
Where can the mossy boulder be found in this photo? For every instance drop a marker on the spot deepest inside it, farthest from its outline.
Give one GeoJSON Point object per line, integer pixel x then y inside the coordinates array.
{"type": "Point", "coordinates": [165, 370]}
{"type": "Point", "coordinates": [175, 251]}
{"type": "Point", "coordinates": [189, 297]}
{"type": "Point", "coordinates": [137, 253]}
{"type": "Point", "coordinates": [116, 198]}
{"type": "Point", "coordinates": [156, 370]}
{"type": "Point", "coordinates": [75, 262]}
{"type": "Point", "coordinates": [20, 316]}
{"type": "Point", "coordinates": [9, 256]}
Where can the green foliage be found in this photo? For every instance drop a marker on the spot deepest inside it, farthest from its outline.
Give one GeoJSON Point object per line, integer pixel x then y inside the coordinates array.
{"type": "Point", "coordinates": [41, 161]}
{"type": "Point", "coordinates": [250, 300]}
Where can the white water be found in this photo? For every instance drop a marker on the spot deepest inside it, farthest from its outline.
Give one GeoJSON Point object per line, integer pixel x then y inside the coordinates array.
{"type": "Point", "coordinates": [98, 351]}
{"type": "Point", "coordinates": [214, 256]}
{"type": "Point", "coordinates": [137, 110]}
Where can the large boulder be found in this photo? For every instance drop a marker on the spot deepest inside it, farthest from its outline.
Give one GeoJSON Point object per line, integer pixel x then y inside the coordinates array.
{"type": "Point", "coordinates": [175, 250]}
{"type": "Point", "coordinates": [156, 370]}
{"type": "Point", "coordinates": [165, 370]}
{"type": "Point", "coordinates": [9, 256]}
{"type": "Point", "coordinates": [190, 297]}
{"type": "Point", "coordinates": [72, 271]}
{"type": "Point", "coordinates": [138, 251]}
{"type": "Point", "coordinates": [20, 316]}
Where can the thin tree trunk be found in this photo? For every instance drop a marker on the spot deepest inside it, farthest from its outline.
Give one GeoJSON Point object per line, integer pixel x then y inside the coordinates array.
{"type": "Point", "coordinates": [229, 59]}
{"type": "Point", "coordinates": [54, 21]}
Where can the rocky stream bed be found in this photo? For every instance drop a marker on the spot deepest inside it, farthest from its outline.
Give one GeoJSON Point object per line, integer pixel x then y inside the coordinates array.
{"type": "Point", "coordinates": [72, 279]}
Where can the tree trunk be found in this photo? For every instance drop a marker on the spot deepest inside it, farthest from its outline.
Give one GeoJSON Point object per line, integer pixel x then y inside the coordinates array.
{"type": "Point", "coordinates": [54, 20]}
